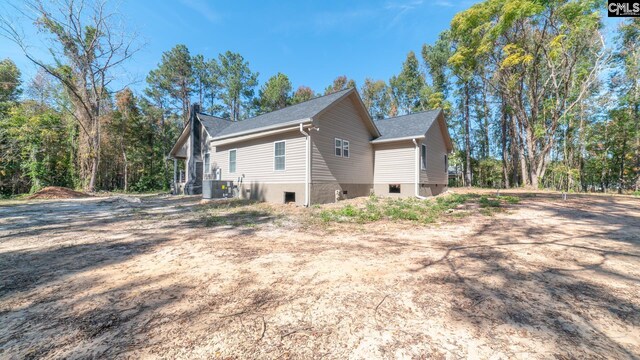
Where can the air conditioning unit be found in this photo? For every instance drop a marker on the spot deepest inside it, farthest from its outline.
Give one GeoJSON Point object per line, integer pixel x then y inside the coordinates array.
{"type": "Point", "coordinates": [217, 189]}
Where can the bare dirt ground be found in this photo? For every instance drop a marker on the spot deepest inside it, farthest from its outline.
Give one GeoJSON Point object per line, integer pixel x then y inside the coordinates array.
{"type": "Point", "coordinates": [56, 192]}
{"type": "Point", "coordinates": [109, 277]}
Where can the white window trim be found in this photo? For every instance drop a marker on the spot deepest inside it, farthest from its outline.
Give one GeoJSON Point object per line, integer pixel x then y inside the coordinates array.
{"type": "Point", "coordinates": [207, 169]}
{"type": "Point", "coordinates": [284, 156]}
{"type": "Point", "coordinates": [348, 147]}
{"type": "Point", "coordinates": [337, 147]}
{"type": "Point", "coordinates": [236, 162]}
{"type": "Point", "coordinates": [423, 157]}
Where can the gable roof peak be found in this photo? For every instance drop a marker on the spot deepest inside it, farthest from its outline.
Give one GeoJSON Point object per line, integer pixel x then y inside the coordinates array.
{"type": "Point", "coordinates": [290, 114]}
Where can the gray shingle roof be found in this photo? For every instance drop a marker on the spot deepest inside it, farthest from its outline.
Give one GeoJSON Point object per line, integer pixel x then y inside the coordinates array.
{"type": "Point", "coordinates": [304, 110]}
{"type": "Point", "coordinates": [213, 124]}
{"type": "Point", "coordinates": [406, 126]}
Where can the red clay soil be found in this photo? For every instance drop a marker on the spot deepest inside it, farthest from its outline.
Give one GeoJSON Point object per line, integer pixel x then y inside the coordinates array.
{"type": "Point", "coordinates": [56, 192]}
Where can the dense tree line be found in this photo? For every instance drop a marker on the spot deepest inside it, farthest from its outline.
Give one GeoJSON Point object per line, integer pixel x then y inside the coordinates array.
{"type": "Point", "coordinates": [532, 93]}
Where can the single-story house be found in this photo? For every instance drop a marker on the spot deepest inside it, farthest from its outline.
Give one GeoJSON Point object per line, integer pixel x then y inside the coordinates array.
{"type": "Point", "coordinates": [315, 152]}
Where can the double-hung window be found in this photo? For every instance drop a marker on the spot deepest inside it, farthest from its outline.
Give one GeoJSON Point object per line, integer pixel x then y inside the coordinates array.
{"type": "Point", "coordinates": [423, 157]}
{"type": "Point", "coordinates": [345, 148]}
{"type": "Point", "coordinates": [342, 148]}
{"type": "Point", "coordinates": [279, 154]}
{"type": "Point", "coordinates": [232, 160]}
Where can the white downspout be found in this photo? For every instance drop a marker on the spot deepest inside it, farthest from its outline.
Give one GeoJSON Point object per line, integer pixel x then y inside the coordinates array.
{"type": "Point", "coordinates": [417, 175]}
{"type": "Point", "coordinates": [306, 165]}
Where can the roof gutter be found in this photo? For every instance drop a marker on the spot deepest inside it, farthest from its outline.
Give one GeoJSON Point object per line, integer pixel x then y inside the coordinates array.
{"type": "Point", "coordinates": [259, 131]}
{"type": "Point", "coordinates": [307, 151]}
{"type": "Point", "coordinates": [235, 139]}
{"type": "Point", "coordinates": [396, 139]}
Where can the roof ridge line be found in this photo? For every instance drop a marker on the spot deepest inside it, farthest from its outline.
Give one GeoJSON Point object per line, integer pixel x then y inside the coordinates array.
{"type": "Point", "coordinates": [253, 117]}
{"type": "Point", "coordinates": [317, 97]}
{"type": "Point", "coordinates": [415, 113]}
{"type": "Point", "coordinates": [213, 116]}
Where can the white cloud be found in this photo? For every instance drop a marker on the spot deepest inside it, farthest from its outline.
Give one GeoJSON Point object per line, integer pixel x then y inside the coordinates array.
{"type": "Point", "coordinates": [401, 8]}
{"type": "Point", "coordinates": [203, 9]}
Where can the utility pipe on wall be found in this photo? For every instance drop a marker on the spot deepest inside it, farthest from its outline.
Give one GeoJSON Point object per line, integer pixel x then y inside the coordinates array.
{"type": "Point", "coordinates": [306, 165]}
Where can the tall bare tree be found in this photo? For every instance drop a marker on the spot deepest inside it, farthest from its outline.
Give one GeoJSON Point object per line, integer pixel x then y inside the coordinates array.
{"type": "Point", "coordinates": [87, 47]}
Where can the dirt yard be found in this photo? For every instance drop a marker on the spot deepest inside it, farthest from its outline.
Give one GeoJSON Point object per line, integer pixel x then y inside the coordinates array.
{"type": "Point", "coordinates": [164, 278]}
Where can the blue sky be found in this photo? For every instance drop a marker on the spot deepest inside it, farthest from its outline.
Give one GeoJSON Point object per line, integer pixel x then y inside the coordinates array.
{"type": "Point", "coordinates": [310, 41]}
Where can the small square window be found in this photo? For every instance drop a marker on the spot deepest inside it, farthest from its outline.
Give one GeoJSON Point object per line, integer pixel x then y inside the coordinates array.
{"type": "Point", "coordinates": [394, 188]}
{"type": "Point", "coordinates": [338, 147]}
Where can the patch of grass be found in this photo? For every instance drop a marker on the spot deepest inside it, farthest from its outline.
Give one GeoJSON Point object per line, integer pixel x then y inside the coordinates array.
{"type": "Point", "coordinates": [374, 209]}
{"type": "Point", "coordinates": [236, 216]}
{"type": "Point", "coordinates": [486, 202]}
{"type": "Point", "coordinates": [460, 214]}
{"type": "Point", "coordinates": [15, 196]}
{"type": "Point", "coordinates": [636, 193]}
{"type": "Point", "coordinates": [509, 199]}
{"type": "Point", "coordinates": [411, 209]}
{"type": "Point", "coordinates": [226, 204]}
{"type": "Point", "coordinates": [213, 221]}
{"type": "Point", "coordinates": [488, 211]}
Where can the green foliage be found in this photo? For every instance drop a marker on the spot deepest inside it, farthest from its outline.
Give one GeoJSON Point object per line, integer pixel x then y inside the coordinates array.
{"type": "Point", "coordinates": [174, 78]}
{"type": "Point", "coordinates": [340, 83]}
{"type": "Point", "coordinates": [408, 86]}
{"type": "Point", "coordinates": [9, 84]}
{"type": "Point", "coordinates": [34, 149]}
{"type": "Point", "coordinates": [519, 49]}
{"type": "Point", "coordinates": [303, 93]}
{"type": "Point", "coordinates": [133, 151]}
{"type": "Point", "coordinates": [436, 58]}
{"type": "Point", "coordinates": [376, 97]}
{"type": "Point", "coordinates": [488, 173]}
{"type": "Point", "coordinates": [275, 94]}
{"type": "Point", "coordinates": [236, 82]}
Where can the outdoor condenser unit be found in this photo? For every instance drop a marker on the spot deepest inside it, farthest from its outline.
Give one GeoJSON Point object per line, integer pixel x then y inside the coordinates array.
{"type": "Point", "coordinates": [217, 189]}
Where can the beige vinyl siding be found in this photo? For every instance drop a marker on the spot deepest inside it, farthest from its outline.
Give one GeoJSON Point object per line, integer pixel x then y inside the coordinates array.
{"type": "Point", "coordinates": [341, 121]}
{"type": "Point", "coordinates": [255, 159]}
{"type": "Point", "coordinates": [436, 150]}
{"type": "Point", "coordinates": [395, 162]}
